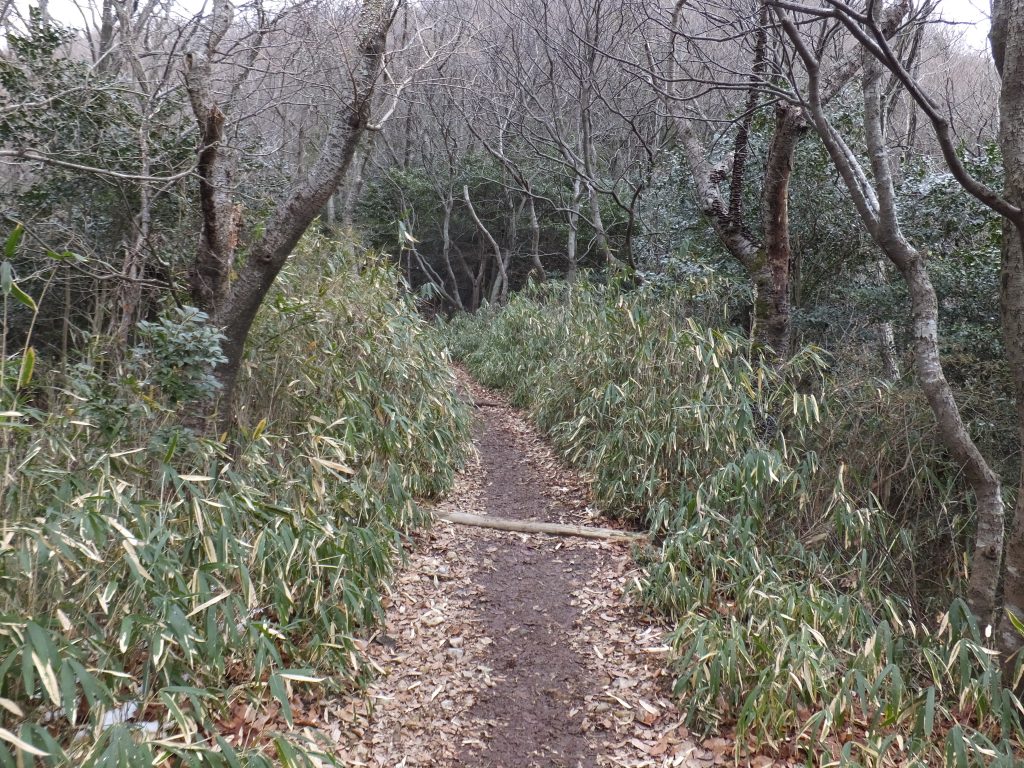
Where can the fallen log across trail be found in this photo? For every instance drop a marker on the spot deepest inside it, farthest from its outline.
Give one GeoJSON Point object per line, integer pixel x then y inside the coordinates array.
{"type": "Point", "coordinates": [530, 526]}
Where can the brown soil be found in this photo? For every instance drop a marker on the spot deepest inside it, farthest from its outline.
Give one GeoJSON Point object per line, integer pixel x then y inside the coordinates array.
{"type": "Point", "coordinates": [526, 605]}
{"type": "Point", "coordinates": [509, 650]}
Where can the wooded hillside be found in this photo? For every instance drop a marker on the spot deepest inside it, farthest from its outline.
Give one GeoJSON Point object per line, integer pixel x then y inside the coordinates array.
{"type": "Point", "coordinates": [754, 269]}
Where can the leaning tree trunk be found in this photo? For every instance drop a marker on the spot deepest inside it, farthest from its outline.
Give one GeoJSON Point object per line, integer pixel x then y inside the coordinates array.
{"type": "Point", "coordinates": [987, 561]}
{"type": "Point", "coordinates": [997, 569]}
{"type": "Point", "coordinates": [875, 200]}
{"type": "Point", "coordinates": [234, 306]}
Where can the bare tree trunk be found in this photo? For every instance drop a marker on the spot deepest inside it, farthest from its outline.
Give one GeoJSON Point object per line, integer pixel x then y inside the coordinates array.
{"type": "Point", "coordinates": [1008, 54]}
{"type": "Point", "coordinates": [235, 305]}
{"type": "Point", "coordinates": [477, 278]}
{"type": "Point", "coordinates": [772, 279]}
{"type": "Point", "coordinates": [887, 349]}
{"type": "Point", "coordinates": [573, 237]}
{"type": "Point", "coordinates": [354, 187]}
{"type": "Point", "coordinates": [446, 248]}
{"type": "Point", "coordinates": [875, 199]}
{"type": "Point", "coordinates": [210, 271]}
{"type": "Point", "coordinates": [499, 289]}
{"type": "Point", "coordinates": [589, 164]}
{"type": "Point", "coordinates": [129, 292]}
{"type": "Point", "coordinates": [1012, 310]}
{"type": "Point", "coordinates": [997, 570]}
{"type": "Point", "coordinates": [105, 43]}
{"type": "Point", "coordinates": [886, 339]}
{"type": "Point", "coordinates": [986, 564]}
{"type": "Point", "coordinates": [474, 279]}
{"type": "Point", "coordinates": [766, 262]}
{"type": "Point", "coordinates": [538, 267]}
{"type": "Point", "coordinates": [331, 213]}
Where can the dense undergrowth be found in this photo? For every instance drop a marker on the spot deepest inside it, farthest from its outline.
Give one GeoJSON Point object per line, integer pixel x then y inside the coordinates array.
{"type": "Point", "coordinates": [811, 534]}
{"type": "Point", "coordinates": [153, 582]}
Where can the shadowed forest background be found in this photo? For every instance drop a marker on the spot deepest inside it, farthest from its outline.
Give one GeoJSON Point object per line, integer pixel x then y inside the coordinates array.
{"type": "Point", "coordinates": [754, 267]}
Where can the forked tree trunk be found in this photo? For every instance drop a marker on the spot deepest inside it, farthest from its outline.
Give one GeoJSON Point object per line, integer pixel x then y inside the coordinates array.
{"type": "Point", "coordinates": [233, 305]}
{"type": "Point", "coordinates": [765, 257]}
{"type": "Point", "coordinates": [875, 199]}
{"type": "Point", "coordinates": [499, 288]}
{"type": "Point", "coordinates": [766, 260]}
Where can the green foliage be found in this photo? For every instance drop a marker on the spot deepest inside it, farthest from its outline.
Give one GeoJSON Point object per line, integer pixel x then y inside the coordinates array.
{"type": "Point", "coordinates": [152, 581]}
{"type": "Point", "coordinates": [411, 200]}
{"type": "Point", "coordinates": [177, 354]}
{"type": "Point", "coordinates": [791, 514]}
{"type": "Point", "coordinates": [351, 343]}
{"type": "Point", "coordinates": [58, 105]}
{"type": "Point", "coordinates": [963, 240]}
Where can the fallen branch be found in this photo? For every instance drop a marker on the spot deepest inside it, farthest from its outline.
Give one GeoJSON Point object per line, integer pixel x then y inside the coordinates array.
{"type": "Point", "coordinates": [528, 526]}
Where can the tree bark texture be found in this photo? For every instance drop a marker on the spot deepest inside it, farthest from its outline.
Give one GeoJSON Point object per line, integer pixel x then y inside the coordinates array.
{"type": "Point", "coordinates": [499, 288]}
{"type": "Point", "coordinates": [1008, 55]}
{"type": "Point", "coordinates": [235, 305]}
{"type": "Point", "coordinates": [210, 270]}
{"type": "Point", "coordinates": [765, 258]}
{"type": "Point", "coordinates": [773, 319]}
{"type": "Point", "coordinates": [986, 564]}
{"type": "Point", "coordinates": [875, 200]}
{"type": "Point", "coordinates": [573, 217]}
{"type": "Point", "coordinates": [766, 261]}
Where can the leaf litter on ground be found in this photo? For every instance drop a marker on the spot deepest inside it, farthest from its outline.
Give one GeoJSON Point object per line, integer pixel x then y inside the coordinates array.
{"type": "Point", "coordinates": [432, 652]}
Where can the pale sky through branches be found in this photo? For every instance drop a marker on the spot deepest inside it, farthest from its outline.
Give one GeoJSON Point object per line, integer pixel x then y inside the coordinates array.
{"type": "Point", "coordinates": [974, 14]}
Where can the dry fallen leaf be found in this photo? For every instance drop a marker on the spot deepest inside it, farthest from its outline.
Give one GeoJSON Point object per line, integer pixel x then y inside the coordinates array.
{"type": "Point", "coordinates": [424, 708]}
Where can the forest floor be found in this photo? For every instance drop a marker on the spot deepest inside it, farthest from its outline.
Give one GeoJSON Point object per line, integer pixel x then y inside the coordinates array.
{"type": "Point", "coordinates": [517, 650]}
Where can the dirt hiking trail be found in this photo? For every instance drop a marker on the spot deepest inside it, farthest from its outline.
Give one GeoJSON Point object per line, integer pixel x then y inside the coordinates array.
{"type": "Point", "coordinates": [512, 650]}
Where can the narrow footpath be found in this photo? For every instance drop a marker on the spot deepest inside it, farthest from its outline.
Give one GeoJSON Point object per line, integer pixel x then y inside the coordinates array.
{"type": "Point", "coordinates": [510, 650]}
